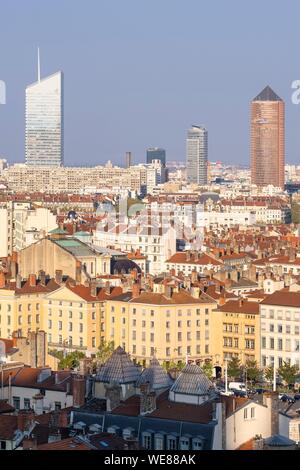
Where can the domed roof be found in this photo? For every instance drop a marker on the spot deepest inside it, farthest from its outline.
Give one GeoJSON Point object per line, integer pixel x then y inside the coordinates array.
{"type": "Point", "coordinates": [209, 195]}
{"type": "Point", "coordinates": [124, 266]}
{"type": "Point", "coordinates": [155, 375]}
{"type": "Point", "coordinates": [192, 381]}
{"type": "Point", "coordinates": [279, 441]}
{"type": "Point", "coordinates": [72, 215]}
{"type": "Point", "coordinates": [118, 368]}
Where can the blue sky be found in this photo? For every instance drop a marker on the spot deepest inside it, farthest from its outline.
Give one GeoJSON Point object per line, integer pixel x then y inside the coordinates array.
{"type": "Point", "coordinates": [138, 73]}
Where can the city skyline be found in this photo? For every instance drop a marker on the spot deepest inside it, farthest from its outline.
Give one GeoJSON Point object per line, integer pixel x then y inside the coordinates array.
{"type": "Point", "coordinates": [147, 109]}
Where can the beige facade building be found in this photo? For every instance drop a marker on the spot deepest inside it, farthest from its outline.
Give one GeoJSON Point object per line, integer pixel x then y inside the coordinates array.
{"type": "Point", "coordinates": [69, 255]}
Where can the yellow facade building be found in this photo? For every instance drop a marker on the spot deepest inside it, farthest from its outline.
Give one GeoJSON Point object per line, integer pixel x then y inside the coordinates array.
{"type": "Point", "coordinates": [236, 326]}
{"type": "Point", "coordinates": [173, 326]}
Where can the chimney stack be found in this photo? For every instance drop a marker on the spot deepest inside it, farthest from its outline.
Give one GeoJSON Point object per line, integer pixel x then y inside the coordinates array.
{"type": "Point", "coordinates": [78, 272]}
{"type": "Point", "coordinates": [136, 289]}
{"type": "Point", "coordinates": [42, 277]}
{"type": "Point", "coordinates": [58, 276]}
{"type": "Point", "coordinates": [93, 289]}
{"type": "Point", "coordinates": [2, 280]}
{"type": "Point", "coordinates": [32, 280]}
{"type": "Point", "coordinates": [78, 391]}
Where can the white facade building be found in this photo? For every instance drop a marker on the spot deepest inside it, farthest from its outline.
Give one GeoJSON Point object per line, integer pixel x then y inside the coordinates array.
{"type": "Point", "coordinates": [280, 329]}
{"type": "Point", "coordinates": [44, 121]}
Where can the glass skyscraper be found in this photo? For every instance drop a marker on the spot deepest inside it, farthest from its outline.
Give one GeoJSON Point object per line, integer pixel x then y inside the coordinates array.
{"type": "Point", "coordinates": [44, 121]}
{"type": "Point", "coordinates": [196, 155]}
{"type": "Point", "coordinates": [156, 154]}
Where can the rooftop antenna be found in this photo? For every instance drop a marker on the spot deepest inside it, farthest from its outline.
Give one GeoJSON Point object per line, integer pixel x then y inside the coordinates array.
{"type": "Point", "coordinates": [39, 66]}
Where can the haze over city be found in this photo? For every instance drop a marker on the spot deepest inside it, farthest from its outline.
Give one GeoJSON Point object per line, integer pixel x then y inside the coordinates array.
{"type": "Point", "coordinates": [139, 74]}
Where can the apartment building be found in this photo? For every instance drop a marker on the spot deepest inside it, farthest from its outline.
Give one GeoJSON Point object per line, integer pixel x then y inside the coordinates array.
{"type": "Point", "coordinates": [172, 326]}
{"type": "Point", "coordinates": [20, 177]}
{"type": "Point", "coordinates": [280, 329]}
{"type": "Point", "coordinates": [74, 316]}
{"type": "Point", "coordinates": [236, 326]}
{"type": "Point", "coordinates": [157, 243]}
{"type": "Point", "coordinates": [71, 314]}
{"type": "Point", "coordinates": [23, 224]}
{"type": "Point", "coordinates": [188, 261]}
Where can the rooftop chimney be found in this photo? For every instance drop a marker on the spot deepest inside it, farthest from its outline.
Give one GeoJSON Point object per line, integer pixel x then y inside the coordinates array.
{"type": "Point", "coordinates": [136, 290]}
{"type": "Point", "coordinates": [32, 280]}
{"type": "Point", "coordinates": [58, 276]}
{"type": "Point", "coordinates": [93, 289]}
{"type": "Point", "coordinates": [19, 281]}
{"type": "Point", "coordinates": [2, 280]}
{"type": "Point", "coordinates": [42, 277]}
{"type": "Point", "coordinates": [78, 391]}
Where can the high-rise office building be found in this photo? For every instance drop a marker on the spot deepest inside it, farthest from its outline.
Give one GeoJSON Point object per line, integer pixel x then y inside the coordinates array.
{"type": "Point", "coordinates": [267, 139]}
{"type": "Point", "coordinates": [44, 121]}
{"type": "Point", "coordinates": [156, 153]}
{"type": "Point", "coordinates": [128, 160]}
{"type": "Point", "coordinates": [196, 155]}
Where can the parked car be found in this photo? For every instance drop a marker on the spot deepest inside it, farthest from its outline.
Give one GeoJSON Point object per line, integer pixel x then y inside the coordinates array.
{"type": "Point", "coordinates": [240, 393]}
{"type": "Point", "coordinates": [297, 396]}
{"type": "Point", "coordinates": [286, 398]}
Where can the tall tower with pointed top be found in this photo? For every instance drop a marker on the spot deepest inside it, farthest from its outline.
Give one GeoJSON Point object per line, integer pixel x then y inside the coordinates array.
{"type": "Point", "coordinates": [44, 121]}
{"type": "Point", "coordinates": [267, 139]}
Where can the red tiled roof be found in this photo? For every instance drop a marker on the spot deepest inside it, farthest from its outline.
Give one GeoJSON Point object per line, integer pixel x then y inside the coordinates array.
{"type": "Point", "coordinates": [203, 259]}
{"type": "Point", "coordinates": [237, 306]}
{"type": "Point", "coordinates": [288, 299]}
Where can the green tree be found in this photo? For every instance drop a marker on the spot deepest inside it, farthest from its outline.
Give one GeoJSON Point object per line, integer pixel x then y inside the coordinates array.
{"type": "Point", "coordinates": [288, 372]}
{"type": "Point", "coordinates": [234, 368]}
{"type": "Point", "coordinates": [207, 368]}
{"type": "Point", "coordinates": [168, 365]}
{"type": "Point", "coordinates": [104, 352]}
{"type": "Point", "coordinates": [253, 371]}
{"type": "Point", "coordinates": [71, 360]}
{"type": "Point", "coordinates": [269, 373]}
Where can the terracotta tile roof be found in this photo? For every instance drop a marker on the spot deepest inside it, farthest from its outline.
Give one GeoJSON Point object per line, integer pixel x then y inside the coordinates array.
{"type": "Point", "coordinates": [5, 407]}
{"type": "Point", "coordinates": [237, 306]}
{"type": "Point", "coordinates": [167, 409]}
{"type": "Point", "coordinates": [288, 299]}
{"type": "Point", "coordinates": [85, 292]}
{"type": "Point", "coordinates": [181, 298]}
{"type": "Point", "coordinates": [203, 259]}
{"type": "Point", "coordinates": [8, 427]}
{"type": "Point", "coordinates": [70, 443]}
{"type": "Point", "coordinates": [248, 445]}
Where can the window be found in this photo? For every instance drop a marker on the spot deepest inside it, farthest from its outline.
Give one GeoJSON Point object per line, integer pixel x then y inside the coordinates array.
{"type": "Point", "coordinates": [60, 325]}
{"type": "Point", "coordinates": [50, 324]}
{"type": "Point", "coordinates": [179, 336]}
{"type": "Point", "coordinates": [168, 338]}
{"type": "Point", "coordinates": [26, 403]}
{"type": "Point", "coordinates": [198, 335]}
{"type": "Point", "coordinates": [143, 336]}
{"type": "Point", "coordinates": [171, 443]}
{"type": "Point", "coordinates": [81, 342]}
{"type": "Point", "coordinates": [168, 352]}
{"type": "Point", "coordinates": [16, 403]}
{"type": "Point", "coordinates": [80, 328]}
{"type": "Point", "coordinates": [57, 405]}
{"type": "Point", "coordinates": [93, 342]}
{"type": "Point", "coordinates": [197, 444]}
{"type": "Point", "coordinates": [147, 441]}
{"type": "Point", "coordinates": [80, 315]}
{"type": "Point", "coordinates": [70, 326]}
{"type": "Point", "coordinates": [159, 442]}
{"type": "Point", "coordinates": [252, 412]}
{"type": "Point", "coordinates": [70, 314]}
{"type": "Point", "coordinates": [245, 413]}
{"type": "Point", "coordinates": [37, 318]}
